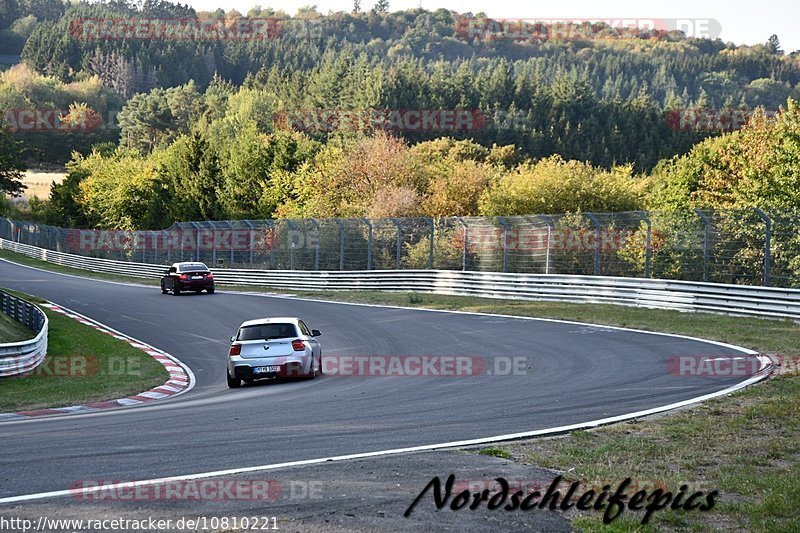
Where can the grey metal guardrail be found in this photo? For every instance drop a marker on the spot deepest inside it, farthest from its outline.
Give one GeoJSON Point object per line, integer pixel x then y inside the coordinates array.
{"type": "Point", "coordinates": [20, 357]}
{"type": "Point", "coordinates": [654, 293]}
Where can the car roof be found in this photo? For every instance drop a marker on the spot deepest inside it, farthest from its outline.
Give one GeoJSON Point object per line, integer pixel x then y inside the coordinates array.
{"type": "Point", "coordinates": [271, 320]}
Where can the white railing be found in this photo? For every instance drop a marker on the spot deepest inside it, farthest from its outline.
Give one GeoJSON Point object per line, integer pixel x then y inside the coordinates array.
{"type": "Point", "coordinates": [653, 293]}
{"type": "Point", "coordinates": [20, 357]}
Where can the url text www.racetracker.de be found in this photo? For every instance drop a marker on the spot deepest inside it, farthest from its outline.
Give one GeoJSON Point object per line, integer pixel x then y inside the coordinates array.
{"type": "Point", "coordinates": [199, 523]}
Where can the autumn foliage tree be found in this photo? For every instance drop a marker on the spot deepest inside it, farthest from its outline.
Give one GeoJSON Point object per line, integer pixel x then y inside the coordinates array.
{"type": "Point", "coordinates": [553, 185]}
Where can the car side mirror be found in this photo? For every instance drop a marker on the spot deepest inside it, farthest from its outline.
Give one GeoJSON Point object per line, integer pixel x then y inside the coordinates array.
{"type": "Point", "coordinates": [233, 339]}
{"type": "Point", "coordinates": [315, 333]}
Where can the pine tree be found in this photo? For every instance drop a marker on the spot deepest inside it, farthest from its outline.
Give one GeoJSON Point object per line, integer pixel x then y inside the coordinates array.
{"type": "Point", "coordinates": [11, 164]}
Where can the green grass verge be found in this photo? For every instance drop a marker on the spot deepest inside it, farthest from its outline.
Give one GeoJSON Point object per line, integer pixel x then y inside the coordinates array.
{"type": "Point", "coordinates": [745, 445]}
{"type": "Point", "coordinates": [496, 452]}
{"type": "Point", "coordinates": [82, 365]}
{"type": "Point", "coordinates": [13, 331]}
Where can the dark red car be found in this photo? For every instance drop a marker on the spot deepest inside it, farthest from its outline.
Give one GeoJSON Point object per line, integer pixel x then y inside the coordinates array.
{"type": "Point", "coordinates": [187, 277]}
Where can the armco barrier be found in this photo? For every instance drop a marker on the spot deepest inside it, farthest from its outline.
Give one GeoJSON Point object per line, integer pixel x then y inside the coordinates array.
{"type": "Point", "coordinates": [654, 293]}
{"type": "Point", "coordinates": [20, 357]}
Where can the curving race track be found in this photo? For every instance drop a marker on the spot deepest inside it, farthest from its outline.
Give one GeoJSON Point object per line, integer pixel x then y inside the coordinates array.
{"type": "Point", "coordinates": [577, 373]}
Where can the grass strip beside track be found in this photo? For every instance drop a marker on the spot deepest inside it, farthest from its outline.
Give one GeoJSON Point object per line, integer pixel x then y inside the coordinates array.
{"type": "Point", "coordinates": [83, 365]}
{"type": "Point", "coordinates": [13, 331]}
{"type": "Point", "coordinates": [746, 445]}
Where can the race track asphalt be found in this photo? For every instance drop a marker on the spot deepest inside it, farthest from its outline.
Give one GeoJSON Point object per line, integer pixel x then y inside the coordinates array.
{"type": "Point", "coordinates": [573, 373]}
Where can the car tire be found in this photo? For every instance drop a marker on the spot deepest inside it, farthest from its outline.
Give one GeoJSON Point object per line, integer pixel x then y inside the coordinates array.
{"type": "Point", "coordinates": [233, 383]}
{"type": "Point", "coordinates": [314, 371]}
{"type": "Point", "coordinates": [198, 292]}
{"type": "Point", "coordinates": [176, 291]}
{"type": "Point", "coordinates": [210, 291]}
{"type": "Point", "coordinates": [163, 289]}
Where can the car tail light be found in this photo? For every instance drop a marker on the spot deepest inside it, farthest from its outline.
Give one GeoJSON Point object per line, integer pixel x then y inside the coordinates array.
{"type": "Point", "coordinates": [236, 349]}
{"type": "Point", "coordinates": [210, 275]}
{"type": "Point", "coordinates": [298, 346]}
{"type": "Point", "coordinates": [183, 276]}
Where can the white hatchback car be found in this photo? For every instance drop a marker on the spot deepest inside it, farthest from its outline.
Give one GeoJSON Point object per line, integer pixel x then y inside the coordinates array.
{"type": "Point", "coordinates": [272, 348]}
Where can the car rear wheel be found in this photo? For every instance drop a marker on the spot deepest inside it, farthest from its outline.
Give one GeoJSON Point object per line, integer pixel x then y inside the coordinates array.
{"type": "Point", "coordinates": [163, 289]}
{"type": "Point", "coordinates": [175, 290]}
{"type": "Point", "coordinates": [211, 290]}
{"type": "Point", "coordinates": [233, 383]}
{"type": "Point", "coordinates": [313, 373]}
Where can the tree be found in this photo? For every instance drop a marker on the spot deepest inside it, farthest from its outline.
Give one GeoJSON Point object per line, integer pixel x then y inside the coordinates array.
{"type": "Point", "coordinates": [158, 117]}
{"type": "Point", "coordinates": [756, 166]}
{"type": "Point", "coordinates": [122, 191]}
{"type": "Point", "coordinates": [554, 185]}
{"type": "Point", "coordinates": [381, 6]}
{"type": "Point", "coordinates": [773, 45]}
{"type": "Point", "coordinates": [11, 165]}
{"type": "Point", "coordinates": [9, 11]}
{"type": "Point", "coordinates": [42, 9]}
{"type": "Point", "coordinates": [191, 168]}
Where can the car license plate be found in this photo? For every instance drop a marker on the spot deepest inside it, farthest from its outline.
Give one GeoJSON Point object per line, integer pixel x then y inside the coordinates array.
{"type": "Point", "coordinates": [197, 277]}
{"type": "Point", "coordinates": [265, 369]}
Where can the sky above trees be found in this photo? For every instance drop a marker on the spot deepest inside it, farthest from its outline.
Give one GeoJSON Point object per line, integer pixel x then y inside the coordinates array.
{"type": "Point", "coordinates": [742, 22]}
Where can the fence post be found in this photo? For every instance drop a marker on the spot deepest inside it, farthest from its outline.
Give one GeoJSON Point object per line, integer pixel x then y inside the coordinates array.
{"type": "Point", "coordinates": [273, 238]}
{"type": "Point", "coordinates": [550, 228]}
{"type": "Point", "coordinates": [316, 246]}
{"type": "Point", "coordinates": [341, 243]}
{"type": "Point", "coordinates": [504, 223]}
{"type": "Point", "coordinates": [168, 236]}
{"type": "Point", "coordinates": [369, 243]}
{"type": "Point", "coordinates": [767, 244]}
{"type": "Point", "coordinates": [429, 222]}
{"type": "Point", "coordinates": [706, 240]}
{"type": "Point", "coordinates": [197, 239]}
{"type": "Point", "coordinates": [399, 241]}
{"type": "Point", "coordinates": [159, 237]}
{"type": "Point", "coordinates": [292, 227]}
{"type": "Point", "coordinates": [466, 240]}
{"type": "Point", "coordinates": [213, 244]}
{"type": "Point", "coordinates": [231, 240]}
{"type": "Point", "coordinates": [597, 241]}
{"type": "Point", "coordinates": [647, 243]}
{"type": "Point", "coordinates": [252, 241]}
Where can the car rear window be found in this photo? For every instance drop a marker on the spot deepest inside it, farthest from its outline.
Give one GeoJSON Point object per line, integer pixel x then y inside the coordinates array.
{"type": "Point", "coordinates": [194, 267]}
{"type": "Point", "coordinates": [266, 332]}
